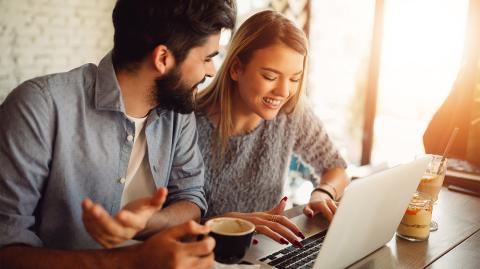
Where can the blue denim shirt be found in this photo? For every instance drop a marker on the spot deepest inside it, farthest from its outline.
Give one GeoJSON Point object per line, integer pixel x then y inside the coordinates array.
{"type": "Point", "coordinates": [63, 138]}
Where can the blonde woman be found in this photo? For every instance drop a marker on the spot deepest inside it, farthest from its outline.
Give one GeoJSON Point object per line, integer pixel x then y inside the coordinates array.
{"type": "Point", "coordinates": [250, 120]}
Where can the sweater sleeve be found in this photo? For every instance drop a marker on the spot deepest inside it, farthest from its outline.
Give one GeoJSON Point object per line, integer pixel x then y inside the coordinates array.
{"type": "Point", "coordinates": [312, 143]}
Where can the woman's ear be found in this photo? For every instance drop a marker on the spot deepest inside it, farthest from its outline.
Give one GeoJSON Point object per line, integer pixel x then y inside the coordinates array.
{"type": "Point", "coordinates": [162, 59]}
{"type": "Point", "coordinates": [235, 69]}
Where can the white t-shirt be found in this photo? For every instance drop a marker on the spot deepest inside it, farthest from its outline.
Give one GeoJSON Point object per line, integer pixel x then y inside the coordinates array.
{"type": "Point", "coordinates": [139, 180]}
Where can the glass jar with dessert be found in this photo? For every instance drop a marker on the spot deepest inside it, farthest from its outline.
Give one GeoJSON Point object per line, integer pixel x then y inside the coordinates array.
{"type": "Point", "coordinates": [415, 224]}
{"type": "Point", "coordinates": [432, 181]}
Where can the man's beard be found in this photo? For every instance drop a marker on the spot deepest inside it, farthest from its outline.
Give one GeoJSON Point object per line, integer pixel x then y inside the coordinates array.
{"type": "Point", "coordinates": [172, 94]}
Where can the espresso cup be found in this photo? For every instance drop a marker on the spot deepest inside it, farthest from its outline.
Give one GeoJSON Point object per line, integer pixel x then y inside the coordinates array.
{"type": "Point", "coordinates": [232, 236]}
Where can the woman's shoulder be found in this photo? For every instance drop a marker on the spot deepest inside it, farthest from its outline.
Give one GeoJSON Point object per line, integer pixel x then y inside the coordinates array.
{"type": "Point", "coordinates": [303, 114]}
{"type": "Point", "coordinates": [304, 122]}
{"type": "Point", "coordinates": [201, 116]}
{"type": "Point", "coordinates": [203, 122]}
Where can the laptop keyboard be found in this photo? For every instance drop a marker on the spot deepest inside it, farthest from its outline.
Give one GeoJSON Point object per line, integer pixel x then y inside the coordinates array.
{"type": "Point", "coordinates": [293, 257]}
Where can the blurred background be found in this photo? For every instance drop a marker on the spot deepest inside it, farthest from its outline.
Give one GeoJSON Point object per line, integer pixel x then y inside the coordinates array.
{"type": "Point", "coordinates": [378, 69]}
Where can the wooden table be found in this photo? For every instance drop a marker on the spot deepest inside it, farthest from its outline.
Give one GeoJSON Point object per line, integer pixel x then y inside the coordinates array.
{"type": "Point", "coordinates": [465, 255]}
{"type": "Point", "coordinates": [456, 244]}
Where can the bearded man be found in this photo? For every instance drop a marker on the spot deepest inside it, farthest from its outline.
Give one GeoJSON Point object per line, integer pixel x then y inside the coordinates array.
{"type": "Point", "coordinates": [88, 156]}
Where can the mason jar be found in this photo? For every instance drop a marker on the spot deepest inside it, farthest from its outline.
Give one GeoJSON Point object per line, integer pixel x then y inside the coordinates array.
{"type": "Point", "coordinates": [415, 224]}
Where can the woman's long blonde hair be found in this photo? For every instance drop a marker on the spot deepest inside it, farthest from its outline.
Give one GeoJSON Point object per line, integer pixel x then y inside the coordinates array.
{"type": "Point", "coordinates": [261, 30]}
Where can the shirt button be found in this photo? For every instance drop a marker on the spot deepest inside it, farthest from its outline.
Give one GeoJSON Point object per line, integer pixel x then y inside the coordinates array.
{"type": "Point", "coordinates": [130, 138]}
{"type": "Point", "coordinates": [123, 180]}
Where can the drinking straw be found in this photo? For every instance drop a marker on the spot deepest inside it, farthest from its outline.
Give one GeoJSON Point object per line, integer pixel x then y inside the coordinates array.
{"type": "Point", "coordinates": [447, 148]}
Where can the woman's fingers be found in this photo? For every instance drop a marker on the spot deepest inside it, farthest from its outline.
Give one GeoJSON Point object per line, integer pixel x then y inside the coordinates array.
{"type": "Point", "coordinates": [322, 207]}
{"type": "Point", "coordinates": [285, 222]}
{"type": "Point", "coordinates": [277, 227]}
{"type": "Point", "coordinates": [308, 211]}
{"type": "Point", "coordinates": [281, 230]}
{"type": "Point", "coordinates": [265, 230]}
{"type": "Point", "coordinates": [333, 207]}
{"type": "Point", "coordinates": [291, 226]}
{"type": "Point", "coordinates": [280, 207]}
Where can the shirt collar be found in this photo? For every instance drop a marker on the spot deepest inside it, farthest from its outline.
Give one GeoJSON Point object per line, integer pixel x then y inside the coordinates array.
{"type": "Point", "coordinates": [107, 90]}
{"type": "Point", "coordinates": [108, 95]}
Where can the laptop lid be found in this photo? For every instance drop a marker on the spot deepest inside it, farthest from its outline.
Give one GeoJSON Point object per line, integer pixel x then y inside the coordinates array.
{"type": "Point", "coordinates": [369, 213]}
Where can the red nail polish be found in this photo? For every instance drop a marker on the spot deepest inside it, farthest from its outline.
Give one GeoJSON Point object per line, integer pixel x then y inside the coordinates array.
{"type": "Point", "coordinates": [285, 198]}
{"type": "Point", "coordinates": [310, 215]}
{"type": "Point", "coordinates": [254, 241]}
{"type": "Point", "coordinates": [301, 235]}
{"type": "Point", "coordinates": [283, 241]}
{"type": "Point", "coordinates": [297, 244]}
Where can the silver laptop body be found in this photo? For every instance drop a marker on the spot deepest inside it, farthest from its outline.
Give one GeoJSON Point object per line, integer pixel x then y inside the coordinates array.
{"type": "Point", "coordinates": [366, 219]}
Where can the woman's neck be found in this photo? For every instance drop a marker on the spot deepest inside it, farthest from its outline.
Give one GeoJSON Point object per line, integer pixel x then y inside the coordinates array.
{"type": "Point", "coordinates": [244, 120]}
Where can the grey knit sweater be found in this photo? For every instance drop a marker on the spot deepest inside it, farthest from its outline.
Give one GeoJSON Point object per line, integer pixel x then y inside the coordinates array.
{"type": "Point", "coordinates": [252, 174]}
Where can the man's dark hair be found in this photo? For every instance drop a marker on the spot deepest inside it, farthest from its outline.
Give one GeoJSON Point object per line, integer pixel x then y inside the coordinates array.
{"type": "Point", "coordinates": [142, 25]}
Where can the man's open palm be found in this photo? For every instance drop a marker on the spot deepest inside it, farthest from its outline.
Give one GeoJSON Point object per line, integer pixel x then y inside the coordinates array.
{"type": "Point", "coordinates": [110, 231]}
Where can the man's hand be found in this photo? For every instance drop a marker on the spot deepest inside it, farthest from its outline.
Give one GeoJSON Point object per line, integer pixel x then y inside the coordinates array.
{"type": "Point", "coordinates": [166, 250]}
{"type": "Point", "coordinates": [110, 231]}
{"type": "Point", "coordinates": [163, 250]}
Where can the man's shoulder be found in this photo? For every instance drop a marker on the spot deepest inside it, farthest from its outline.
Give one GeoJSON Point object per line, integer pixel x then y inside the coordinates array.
{"type": "Point", "coordinates": [59, 90]}
{"type": "Point", "coordinates": [83, 76]}
{"type": "Point", "coordinates": [58, 84]}
{"type": "Point", "coordinates": [175, 116]}
{"type": "Point", "coordinates": [178, 122]}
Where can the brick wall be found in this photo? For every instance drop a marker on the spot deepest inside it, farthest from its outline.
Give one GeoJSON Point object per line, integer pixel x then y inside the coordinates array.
{"type": "Point", "coordinates": [39, 37]}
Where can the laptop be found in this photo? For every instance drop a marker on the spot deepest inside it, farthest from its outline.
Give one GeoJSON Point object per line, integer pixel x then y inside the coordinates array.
{"type": "Point", "coordinates": [366, 219]}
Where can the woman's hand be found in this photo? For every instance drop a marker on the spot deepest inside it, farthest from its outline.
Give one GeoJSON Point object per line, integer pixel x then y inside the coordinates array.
{"type": "Point", "coordinates": [320, 203]}
{"type": "Point", "coordinates": [273, 224]}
